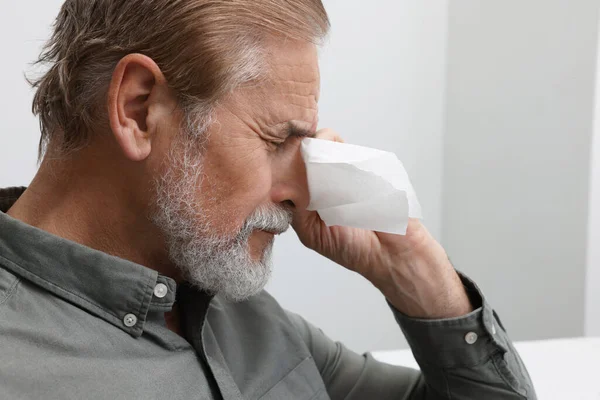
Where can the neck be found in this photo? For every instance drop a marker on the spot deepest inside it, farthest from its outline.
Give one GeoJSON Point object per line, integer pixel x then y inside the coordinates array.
{"type": "Point", "coordinates": [94, 204]}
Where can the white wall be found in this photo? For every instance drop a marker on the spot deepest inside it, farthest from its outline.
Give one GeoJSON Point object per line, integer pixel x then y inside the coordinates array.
{"type": "Point", "coordinates": [383, 76]}
{"type": "Point", "coordinates": [520, 98]}
{"type": "Point", "coordinates": [23, 28]}
{"type": "Point", "coordinates": [383, 72]}
{"type": "Point", "coordinates": [592, 299]}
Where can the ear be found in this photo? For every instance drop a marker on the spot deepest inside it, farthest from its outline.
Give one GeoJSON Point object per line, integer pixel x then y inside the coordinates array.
{"type": "Point", "coordinates": [137, 90]}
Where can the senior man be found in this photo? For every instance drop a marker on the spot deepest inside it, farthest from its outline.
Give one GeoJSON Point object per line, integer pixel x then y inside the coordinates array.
{"type": "Point", "coordinates": [133, 266]}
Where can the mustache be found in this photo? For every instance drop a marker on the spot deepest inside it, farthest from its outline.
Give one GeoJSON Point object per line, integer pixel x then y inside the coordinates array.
{"type": "Point", "coordinates": [271, 218]}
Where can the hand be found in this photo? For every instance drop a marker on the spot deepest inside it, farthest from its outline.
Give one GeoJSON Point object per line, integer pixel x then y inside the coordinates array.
{"type": "Point", "coordinates": [412, 271]}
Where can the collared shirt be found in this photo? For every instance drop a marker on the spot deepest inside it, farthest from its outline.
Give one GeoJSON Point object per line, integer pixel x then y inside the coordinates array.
{"type": "Point", "coordinates": [76, 323]}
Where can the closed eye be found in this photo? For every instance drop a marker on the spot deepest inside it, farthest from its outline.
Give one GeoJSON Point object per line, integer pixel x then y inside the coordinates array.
{"type": "Point", "coordinates": [292, 132]}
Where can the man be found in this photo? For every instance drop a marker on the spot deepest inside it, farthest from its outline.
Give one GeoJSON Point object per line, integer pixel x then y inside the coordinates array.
{"type": "Point", "coordinates": [133, 266]}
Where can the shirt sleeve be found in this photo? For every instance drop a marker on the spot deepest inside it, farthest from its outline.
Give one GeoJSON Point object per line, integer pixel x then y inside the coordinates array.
{"type": "Point", "coordinates": [469, 357]}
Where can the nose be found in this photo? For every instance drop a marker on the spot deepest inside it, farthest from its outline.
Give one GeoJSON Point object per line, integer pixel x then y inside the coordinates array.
{"type": "Point", "coordinates": [290, 185]}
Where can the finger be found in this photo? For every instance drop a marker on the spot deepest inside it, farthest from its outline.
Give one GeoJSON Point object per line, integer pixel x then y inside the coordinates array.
{"type": "Point", "coordinates": [329, 134]}
{"type": "Point", "coordinates": [308, 227]}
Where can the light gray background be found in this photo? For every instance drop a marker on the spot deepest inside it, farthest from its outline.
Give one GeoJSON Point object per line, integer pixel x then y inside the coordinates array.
{"type": "Point", "coordinates": [592, 301]}
{"type": "Point", "coordinates": [521, 80]}
{"type": "Point", "coordinates": [501, 160]}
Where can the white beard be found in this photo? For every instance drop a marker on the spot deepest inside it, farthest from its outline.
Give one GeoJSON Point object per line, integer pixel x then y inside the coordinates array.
{"type": "Point", "coordinates": [216, 264]}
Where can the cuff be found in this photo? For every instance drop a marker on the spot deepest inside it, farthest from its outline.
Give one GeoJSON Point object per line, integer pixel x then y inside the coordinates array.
{"type": "Point", "coordinates": [456, 342]}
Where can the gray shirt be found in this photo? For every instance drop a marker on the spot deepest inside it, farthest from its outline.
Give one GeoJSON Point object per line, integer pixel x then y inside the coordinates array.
{"type": "Point", "coordinates": [76, 323]}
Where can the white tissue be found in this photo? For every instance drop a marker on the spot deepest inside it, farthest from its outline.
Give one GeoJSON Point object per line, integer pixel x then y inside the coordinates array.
{"type": "Point", "coordinates": [359, 187]}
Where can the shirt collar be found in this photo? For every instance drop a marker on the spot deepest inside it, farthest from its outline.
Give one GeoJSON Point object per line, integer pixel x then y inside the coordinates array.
{"type": "Point", "coordinates": [119, 291]}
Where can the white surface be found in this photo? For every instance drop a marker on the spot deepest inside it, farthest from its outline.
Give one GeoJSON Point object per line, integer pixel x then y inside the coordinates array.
{"type": "Point", "coordinates": [359, 186]}
{"type": "Point", "coordinates": [382, 86]}
{"type": "Point", "coordinates": [383, 73]}
{"type": "Point", "coordinates": [520, 111]}
{"type": "Point", "coordinates": [565, 369]}
{"type": "Point", "coordinates": [592, 300]}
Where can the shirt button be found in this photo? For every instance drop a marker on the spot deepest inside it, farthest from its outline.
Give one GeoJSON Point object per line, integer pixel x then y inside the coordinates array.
{"type": "Point", "coordinates": [130, 320]}
{"type": "Point", "coordinates": [471, 338]}
{"type": "Point", "coordinates": [160, 290]}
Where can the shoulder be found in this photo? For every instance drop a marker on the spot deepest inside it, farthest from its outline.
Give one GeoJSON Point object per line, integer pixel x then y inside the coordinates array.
{"type": "Point", "coordinates": [34, 312]}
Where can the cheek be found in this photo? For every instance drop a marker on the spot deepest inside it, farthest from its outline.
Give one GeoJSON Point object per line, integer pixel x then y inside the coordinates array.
{"type": "Point", "coordinates": [233, 188]}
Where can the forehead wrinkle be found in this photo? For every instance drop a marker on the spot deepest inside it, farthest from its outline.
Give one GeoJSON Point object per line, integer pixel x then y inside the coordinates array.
{"type": "Point", "coordinates": [308, 102]}
{"type": "Point", "coordinates": [294, 102]}
{"type": "Point", "coordinates": [295, 87]}
{"type": "Point", "coordinates": [280, 105]}
{"type": "Point", "coordinates": [304, 77]}
{"type": "Point", "coordinates": [293, 111]}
